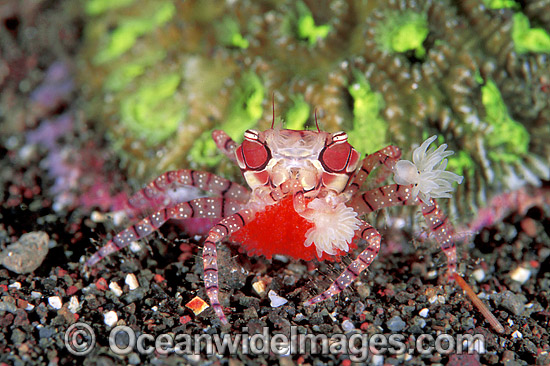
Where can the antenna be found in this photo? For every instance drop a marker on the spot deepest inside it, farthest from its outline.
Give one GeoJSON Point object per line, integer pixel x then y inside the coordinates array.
{"type": "Point", "coordinates": [316, 123]}
{"type": "Point", "coordinates": [273, 107]}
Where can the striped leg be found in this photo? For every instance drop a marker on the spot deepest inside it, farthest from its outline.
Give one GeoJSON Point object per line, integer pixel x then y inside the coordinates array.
{"type": "Point", "coordinates": [210, 207]}
{"type": "Point", "coordinates": [162, 192]}
{"type": "Point", "coordinates": [398, 195]}
{"type": "Point", "coordinates": [386, 196]}
{"type": "Point", "coordinates": [386, 157]}
{"type": "Point", "coordinates": [364, 260]}
{"type": "Point", "coordinates": [442, 230]}
{"type": "Point", "coordinates": [225, 144]}
{"type": "Point", "coordinates": [210, 258]}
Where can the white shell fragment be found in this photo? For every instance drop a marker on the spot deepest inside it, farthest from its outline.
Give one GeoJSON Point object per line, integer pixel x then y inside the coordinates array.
{"type": "Point", "coordinates": [276, 300]}
{"type": "Point", "coordinates": [115, 288]}
{"type": "Point", "coordinates": [74, 305]}
{"type": "Point", "coordinates": [520, 274]}
{"type": "Point", "coordinates": [131, 281]}
{"type": "Point", "coordinates": [110, 318]}
{"type": "Point", "coordinates": [55, 302]}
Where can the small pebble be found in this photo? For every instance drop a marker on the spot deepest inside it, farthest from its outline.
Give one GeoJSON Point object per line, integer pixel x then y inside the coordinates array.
{"type": "Point", "coordinates": [131, 281]}
{"type": "Point", "coordinates": [276, 300]}
{"type": "Point", "coordinates": [512, 302]}
{"type": "Point", "coordinates": [520, 274]}
{"type": "Point", "coordinates": [55, 302]}
{"type": "Point", "coordinates": [259, 287]}
{"type": "Point", "coordinates": [15, 285]}
{"type": "Point", "coordinates": [424, 312]}
{"type": "Point", "coordinates": [110, 318]}
{"type": "Point", "coordinates": [36, 294]}
{"type": "Point", "coordinates": [347, 326]}
{"type": "Point", "coordinates": [115, 288]}
{"type": "Point", "coordinates": [133, 359]}
{"type": "Point", "coordinates": [27, 254]}
{"type": "Point", "coordinates": [517, 334]}
{"type": "Point", "coordinates": [377, 360]}
{"type": "Point", "coordinates": [479, 274]}
{"type": "Point", "coordinates": [431, 275]}
{"type": "Point", "coordinates": [74, 305]}
{"type": "Point", "coordinates": [135, 247]}
{"type": "Point", "coordinates": [197, 305]}
{"type": "Point", "coordinates": [396, 324]}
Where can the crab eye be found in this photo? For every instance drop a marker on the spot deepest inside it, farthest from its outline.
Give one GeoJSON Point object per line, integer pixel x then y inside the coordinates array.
{"type": "Point", "coordinates": [253, 155]}
{"type": "Point", "coordinates": [339, 137]}
{"type": "Point", "coordinates": [339, 158]}
{"type": "Point", "coordinates": [251, 135]}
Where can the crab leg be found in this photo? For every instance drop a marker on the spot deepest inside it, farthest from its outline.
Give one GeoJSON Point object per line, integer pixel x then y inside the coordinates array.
{"type": "Point", "coordinates": [399, 195]}
{"type": "Point", "coordinates": [157, 193]}
{"type": "Point", "coordinates": [210, 207]}
{"type": "Point", "coordinates": [349, 275]}
{"type": "Point", "coordinates": [386, 196]}
{"type": "Point", "coordinates": [387, 157]}
{"type": "Point", "coordinates": [225, 144]}
{"type": "Point", "coordinates": [442, 231]}
{"type": "Point", "coordinates": [223, 229]}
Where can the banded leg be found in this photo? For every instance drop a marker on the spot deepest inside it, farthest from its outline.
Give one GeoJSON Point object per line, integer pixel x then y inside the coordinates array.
{"type": "Point", "coordinates": [442, 231]}
{"type": "Point", "coordinates": [349, 275]}
{"type": "Point", "coordinates": [398, 195]}
{"type": "Point", "coordinates": [386, 157]}
{"type": "Point", "coordinates": [386, 196]}
{"type": "Point", "coordinates": [210, 257]}
{"type": "Point", "coordinates": [225, 144]}
{"type": "Point", "coordinates": [159, 193]}
{"type": "Point", "coordinates": [210, 207]}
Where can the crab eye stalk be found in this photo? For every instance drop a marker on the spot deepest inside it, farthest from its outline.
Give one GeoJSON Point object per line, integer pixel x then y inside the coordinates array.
{"type": "Point", "coordinates": [251, 135]}
{"type": "Point", "coordinates": [339, 137]}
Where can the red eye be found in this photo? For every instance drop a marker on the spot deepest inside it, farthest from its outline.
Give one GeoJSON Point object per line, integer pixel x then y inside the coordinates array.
{"type": "Point", "coordinates": [336, 157]}
{"type": "Point", "coordinates": [254, 154]}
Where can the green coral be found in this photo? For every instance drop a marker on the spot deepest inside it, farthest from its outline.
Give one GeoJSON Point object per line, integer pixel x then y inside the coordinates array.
{"type": "Point", "coordinates": [306, 25]}
{"type": "Point", "coordinates": [119, 78]}
{"type": "Point", "coordinates": [230, 34]}
{"type": "Point", "coordinates": [124, 37]}
{"type": "Point", "coordinates": [461, 163]}
{"type": "Point", "coordinates": [404, 31]}
{"type": "Point", "coordinates": [98, 7]}
{"type": "Point", "coordinates": [527, 39]}
{"type": "Point", "coordinates": [370, 130]}
{"type": "Point", "coordinates": [152, 113]}
{"type": "Point", "coordinates": [506, 133]}
{"type": "Point", "coordinates": [501, 4]}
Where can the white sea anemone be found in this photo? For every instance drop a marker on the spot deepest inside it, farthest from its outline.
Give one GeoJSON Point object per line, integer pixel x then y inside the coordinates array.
{"type": "Point", "coordinates": [427, 172]}
{"type": "Point", "coordinates": [334, 226]}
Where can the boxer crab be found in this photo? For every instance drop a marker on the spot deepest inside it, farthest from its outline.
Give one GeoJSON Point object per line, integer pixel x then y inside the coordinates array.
{"type": "Point", "coordinates": [306, 185]}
